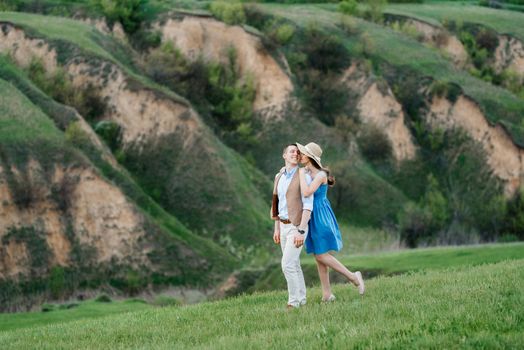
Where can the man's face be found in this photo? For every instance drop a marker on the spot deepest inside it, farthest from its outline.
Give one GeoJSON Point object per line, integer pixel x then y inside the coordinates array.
{"type": "Point", "coordinates": [291, 155]}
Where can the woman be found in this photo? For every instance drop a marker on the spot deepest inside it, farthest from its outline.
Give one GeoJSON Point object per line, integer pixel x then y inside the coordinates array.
{"type": "Point", "coordinates": [324, 234]}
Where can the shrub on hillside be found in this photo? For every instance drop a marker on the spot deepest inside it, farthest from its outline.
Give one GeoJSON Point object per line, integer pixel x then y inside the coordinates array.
{"type": "Point", "coordinates": [367, 45]}
{"type": "Point", "coordinates": [130, 13]}
{"type": "Point", "coordinates": [512, 81]}
{"type": "Point", "coordinates": [435, 203]}
{"type": "Point", "coordinates": [373, 143]}
{"type": "Point", "coordinates": [487, 39]}
{"type": "Point", "coordinates": [317, 63]}
{"type": "Point", "coordinates": [407, 89]}
{"type": "Point", "coordinates": [348, 7]}
{"type": "Point", "coordinates": [36, 245]}
{"type": "Point", "coordinates": [474, 194]}
{"type": "Point", "coordinates": [372, 201]}
{"type": "Point", "coordinates": [324, 52]}
{"type": "Point", "coordinates": [222, 97]}
{"type": "Point", "coordinates": [21, 188]}
{"type": "Point", "coordinates": [86, 100]}
{"type": "Point", "coordinates": [462, 191]}
{"type": "Point", "coordinates": [374, 10]}
{"type": "Point", "coordinates": [448, 90]}
{"type": "Point", "coordinates": [143, 40]}
{"type": "Point", "coordinates": [283, 34]}
{"type": "Point", "coordinates": [110, 132]}
{"type": "Point", "coordinates": [323, 94]}
{"type": "Point", "coordinates": [57, 282]}
{"type": "Point", "coordinates": [228, 12]}
{"type": "Point", "coordinates": [414, 225]}
{"type": "Point", "coordinates": [457, 233]}
{"type": "Point", "coordinates": [349, 25]}
{"type": "Point", "coordinates": [480, 43]}
{"type": "Point", "coordinates": [76, 135]}
{"type": "Point", "coordinates": [514, 221]}
{"type": "Point", "coordinates": [508, 238]}
{"type": "Point", "coordinates": [129, 283]}
{"type": "Point", "coordinates": [278, 31]}
{"type": "Point", "coordinates": [428, 222]}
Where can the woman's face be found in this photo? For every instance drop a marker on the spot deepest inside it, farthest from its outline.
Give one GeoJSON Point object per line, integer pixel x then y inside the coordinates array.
{"type": "Point", "coordinates": [304, 160]}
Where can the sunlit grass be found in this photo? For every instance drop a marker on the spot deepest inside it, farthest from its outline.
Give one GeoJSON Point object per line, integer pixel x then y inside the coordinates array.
{"type": "Point", "coordinates": [84, 310]}
{"type": "Point", "coordinates": [468, 307]}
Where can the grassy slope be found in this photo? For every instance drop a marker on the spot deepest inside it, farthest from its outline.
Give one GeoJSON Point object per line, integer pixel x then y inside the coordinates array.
{"type": "Point", "coordinates": [469, 307]}
{"type": "Point", "coordinates": [366, 240]}
{"type": "Point", "coordinates": [433, 258]}
{"type": "Point", "coordinates": [502, 21]}
{"type": "Point", "coordinates": [394, 263]}
{"type": "Point", "coordinates": [390, 263]}
{"type": "Point", "coordinates": [20, 121]}
{"type": "Point", "coordinates": [406, 53]}
{"type": "Point", "coordinates": [85, 310]}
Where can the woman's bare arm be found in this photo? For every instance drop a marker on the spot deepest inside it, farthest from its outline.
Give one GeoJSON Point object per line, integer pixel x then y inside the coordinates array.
{"type": "Point", "coordinates": [308, 190]}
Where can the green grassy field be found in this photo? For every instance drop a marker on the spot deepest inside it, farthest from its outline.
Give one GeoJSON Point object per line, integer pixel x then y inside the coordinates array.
{"type": "Point", "coordinates": [398, 262]}
{"type": "Point", "coordinates": [365, 240]}
{"type": "Point", "coordinates": [432, 258]}
{"type": "Point", "coordinates": [419, 262]}
{"type": "Point", "coordinates": [407, 54]}
{"type": "Point", "coordinates": [85, 310]}
{"type": "Point", "coordinates": [466, 307]}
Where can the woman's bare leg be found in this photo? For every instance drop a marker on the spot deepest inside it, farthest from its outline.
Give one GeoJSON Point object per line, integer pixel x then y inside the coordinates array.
{"type": "Point", "coordinates": [330, 261]}
{"type": "Point", "coordinates": [323, 274]}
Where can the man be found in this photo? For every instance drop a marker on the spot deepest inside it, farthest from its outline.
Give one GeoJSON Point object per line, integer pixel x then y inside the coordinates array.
{"type": "Point", "coordinates": [291, 212]}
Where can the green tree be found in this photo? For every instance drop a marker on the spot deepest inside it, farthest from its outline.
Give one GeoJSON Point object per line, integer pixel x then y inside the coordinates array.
{"type": "Point", "coordinates": [375, 10]}
{"type": "Point", "coordinates": [130, 13]}
{"type": "Point", "coordinates": [228, 12]}
{"type": "Point", "coordinates": [57, 281]}
{"type": "Point", "coordinates": [348, 7]}
{"type": "Point", "coordinates": [435, 203]}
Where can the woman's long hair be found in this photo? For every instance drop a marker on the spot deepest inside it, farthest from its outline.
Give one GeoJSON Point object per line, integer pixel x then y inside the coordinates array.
{"type": "Point", "coordinates": [330, 178]}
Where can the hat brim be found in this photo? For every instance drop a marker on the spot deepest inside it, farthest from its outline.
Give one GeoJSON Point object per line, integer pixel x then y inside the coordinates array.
{"type": "Point", "coordinates": [305, 151]}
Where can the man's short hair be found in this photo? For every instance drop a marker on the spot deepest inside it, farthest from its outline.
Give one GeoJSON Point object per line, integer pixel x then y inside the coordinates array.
{"type": "Point", "coordinates": [286, 147]}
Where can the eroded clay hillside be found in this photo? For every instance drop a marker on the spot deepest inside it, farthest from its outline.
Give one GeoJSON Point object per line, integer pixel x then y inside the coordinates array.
{"type": "Point", "coordinates": [62, 216]}
{"type": "Point", "coordinates": [164, 142]}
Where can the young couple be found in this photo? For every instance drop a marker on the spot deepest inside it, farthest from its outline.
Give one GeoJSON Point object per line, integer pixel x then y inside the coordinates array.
{"type": "Point", "coordinates": [302, 213]}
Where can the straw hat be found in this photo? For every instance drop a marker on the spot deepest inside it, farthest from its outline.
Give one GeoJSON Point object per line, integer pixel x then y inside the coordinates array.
{"type": "Point", "coordinates": [312, 150]}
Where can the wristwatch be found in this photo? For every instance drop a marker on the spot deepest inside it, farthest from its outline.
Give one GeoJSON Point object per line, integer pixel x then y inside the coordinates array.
{"type": "Point", "coordinates": [301, 231]}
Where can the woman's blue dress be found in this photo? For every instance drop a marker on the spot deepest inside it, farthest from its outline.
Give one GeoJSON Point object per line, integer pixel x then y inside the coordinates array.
{"type": "Point", "coordinates": [324, 234]}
